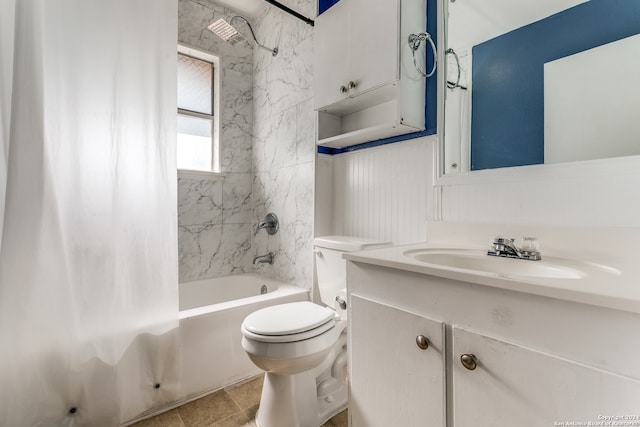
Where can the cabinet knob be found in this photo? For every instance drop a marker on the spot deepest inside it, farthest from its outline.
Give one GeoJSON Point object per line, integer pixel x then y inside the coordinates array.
{"type": "Point", "coordinates": [422, 342]}
{"type": "Point", "coordinates": [469, 361]}
{"type": "Point", "coordinates": [349, 86]}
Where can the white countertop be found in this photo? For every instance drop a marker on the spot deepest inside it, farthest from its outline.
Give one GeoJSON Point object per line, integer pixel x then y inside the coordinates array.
{"type": "Point", "coordinates": [609, 281]}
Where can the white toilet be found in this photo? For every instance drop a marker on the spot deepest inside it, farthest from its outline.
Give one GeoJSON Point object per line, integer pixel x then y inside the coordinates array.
{"type": "Point", "coordinates": [302, 346]}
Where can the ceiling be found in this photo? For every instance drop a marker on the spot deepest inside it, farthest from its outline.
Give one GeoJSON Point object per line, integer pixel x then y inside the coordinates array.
{"type": "Point", "coordinates": [245, 7]}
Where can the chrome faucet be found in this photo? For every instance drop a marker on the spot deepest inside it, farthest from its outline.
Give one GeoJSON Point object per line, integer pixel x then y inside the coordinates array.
{"type": "Point", "coordinates": [264, 259]}
{"type": "Point", "coordinates": [505, 247]}
{"type": "Point", "coordinates": [270, 224]}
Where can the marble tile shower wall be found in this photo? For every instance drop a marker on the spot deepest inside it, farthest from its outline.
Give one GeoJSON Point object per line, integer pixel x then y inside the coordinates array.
{"type": "Point", "coordinates": [284, 140]}
{"type": "Point", "coordinates": [215, 216]}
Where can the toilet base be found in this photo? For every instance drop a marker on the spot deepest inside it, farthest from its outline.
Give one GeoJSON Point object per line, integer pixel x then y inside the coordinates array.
{"type": "Point", "coordinates": [293, 401]}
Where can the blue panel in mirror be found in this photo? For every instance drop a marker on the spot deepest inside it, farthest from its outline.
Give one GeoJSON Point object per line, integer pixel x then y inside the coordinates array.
{"type": "Point", "coordinates": [508, 73]}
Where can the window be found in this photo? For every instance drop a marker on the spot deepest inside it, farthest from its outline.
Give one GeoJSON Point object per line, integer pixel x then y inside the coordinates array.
{"type": "Point", "coordinates": [197, 111]}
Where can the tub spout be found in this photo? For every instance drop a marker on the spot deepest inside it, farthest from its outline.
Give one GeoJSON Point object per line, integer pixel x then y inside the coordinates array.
{"type": "Point", "coordinates": [266, 259]}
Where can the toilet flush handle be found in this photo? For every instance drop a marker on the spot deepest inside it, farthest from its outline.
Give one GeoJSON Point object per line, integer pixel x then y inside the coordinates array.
{"type": "Point", "coordinates": [341, 302]}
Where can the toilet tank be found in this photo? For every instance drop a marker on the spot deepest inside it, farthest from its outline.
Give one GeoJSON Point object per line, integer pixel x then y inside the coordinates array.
{"type": "Point", "coordinates": [331, 269]}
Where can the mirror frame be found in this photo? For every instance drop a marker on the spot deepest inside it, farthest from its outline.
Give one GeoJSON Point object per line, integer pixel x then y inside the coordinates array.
{"type": "Point", "coordinates": [556, 171]}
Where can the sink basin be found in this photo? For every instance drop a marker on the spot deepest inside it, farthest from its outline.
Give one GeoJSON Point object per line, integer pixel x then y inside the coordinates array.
{"type": "Point", "coordinates": [479, 261]}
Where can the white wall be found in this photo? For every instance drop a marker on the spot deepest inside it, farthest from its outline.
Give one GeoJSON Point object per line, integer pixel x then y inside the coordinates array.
{"type": "Point", "coordinates": [470, 23]}
{"type": "Point", "coordinates": [384, 192]}
{"type": "Point", "coordinates": [593, 193]}
{"type": "Point", "coordinates": [387, 193]}
{"type": "Point", "coordinates": [596, 193]}
{"type": "Point", "coordinates": [586, 116]}
{"type": "Point", "coordinates": [7, 29]}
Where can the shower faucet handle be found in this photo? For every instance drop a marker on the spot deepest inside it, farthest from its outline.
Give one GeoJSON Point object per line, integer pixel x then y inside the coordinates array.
{"type": "Point", "coordinates": [270, 223]}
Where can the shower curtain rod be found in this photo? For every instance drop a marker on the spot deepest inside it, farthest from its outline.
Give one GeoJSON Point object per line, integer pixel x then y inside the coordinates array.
{"type": "Point", "coordinates": [276, 4]}
{"type": "Point", "coordinates": [291, 11]}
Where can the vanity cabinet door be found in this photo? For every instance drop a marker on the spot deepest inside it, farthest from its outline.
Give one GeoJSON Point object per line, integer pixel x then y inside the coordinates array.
{"type": "Point", "coordinates": [394, 382]}
{"type": "Point", "coordinates": [517, 386]}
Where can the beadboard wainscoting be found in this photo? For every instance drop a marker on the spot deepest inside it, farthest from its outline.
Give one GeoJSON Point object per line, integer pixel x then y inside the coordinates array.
{"type": "Point", "coordinates": [383, 193]}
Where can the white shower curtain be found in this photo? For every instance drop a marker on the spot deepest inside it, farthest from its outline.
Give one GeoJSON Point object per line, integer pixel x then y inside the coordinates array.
{"type": "Point", "coordinates": [88, 255]}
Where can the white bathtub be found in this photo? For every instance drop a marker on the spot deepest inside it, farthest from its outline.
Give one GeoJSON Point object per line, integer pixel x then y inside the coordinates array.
{"type": "Point", "coordinates": [211, 312]}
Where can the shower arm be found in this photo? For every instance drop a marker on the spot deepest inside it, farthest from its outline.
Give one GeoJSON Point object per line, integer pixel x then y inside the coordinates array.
{"type": "Point", "coordinates": [273, 51]}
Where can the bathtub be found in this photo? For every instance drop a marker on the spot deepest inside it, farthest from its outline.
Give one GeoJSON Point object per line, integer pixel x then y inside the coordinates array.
{"type": "Point", "coordinates": [211, 312]}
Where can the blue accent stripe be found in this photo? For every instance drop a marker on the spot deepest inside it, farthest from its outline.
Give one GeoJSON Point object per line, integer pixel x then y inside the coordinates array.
{"type": "Point", "coordinates": [323, 5]}
{"type": "Point", "coordinates": [508, 77]}
{"type": "Point", "coordinates": [431, 98]}
{"type": "Point", "coordinates": [371, 144]}
{"type": "Point", "coordinates": [325, 150]}
{"type": "Point", "coordinates": [431, 104]}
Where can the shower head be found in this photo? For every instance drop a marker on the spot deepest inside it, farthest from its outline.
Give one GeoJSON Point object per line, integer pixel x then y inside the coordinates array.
{"type": "Point", "coordinates": [229, 33]}
{"type": "Point", "coordinates": [226, 32]}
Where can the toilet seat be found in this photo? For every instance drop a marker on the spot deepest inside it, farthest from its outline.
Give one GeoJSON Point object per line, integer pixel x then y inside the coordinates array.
{"type": "Point", "coordinates": [288, 322]}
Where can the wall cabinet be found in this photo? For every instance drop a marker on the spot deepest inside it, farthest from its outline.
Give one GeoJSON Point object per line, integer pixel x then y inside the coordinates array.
{"type": "Point", "coordinates": [528, 360]}
{"type": "Point", "coordinates": [356, 54]}
{"type": "Point", "coordinates": [366, 86]}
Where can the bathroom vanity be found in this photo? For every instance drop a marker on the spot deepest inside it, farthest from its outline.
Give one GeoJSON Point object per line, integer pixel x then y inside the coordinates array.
{"type": "Point", "coordinates": [436, 340]}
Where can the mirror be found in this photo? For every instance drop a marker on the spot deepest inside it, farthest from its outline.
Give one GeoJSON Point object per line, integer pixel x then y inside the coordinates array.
{"type": "Point", "coordinates": [549, 81]}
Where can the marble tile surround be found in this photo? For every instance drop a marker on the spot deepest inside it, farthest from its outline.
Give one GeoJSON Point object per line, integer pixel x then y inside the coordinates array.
{"type": "Point", "coordinates": [214, 216]}
{"type": "Point", "coordinates": [284, 141]}
{"type": "Point", "coordinates": [236, 79]}
{"type": "Point", "coordinates": [267, 144]}
{"type": "Point", "coordinates": [214, 227]}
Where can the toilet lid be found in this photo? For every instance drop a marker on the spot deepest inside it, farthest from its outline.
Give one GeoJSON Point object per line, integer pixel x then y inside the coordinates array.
{"type": "Point", "coordinates": [288, 319]}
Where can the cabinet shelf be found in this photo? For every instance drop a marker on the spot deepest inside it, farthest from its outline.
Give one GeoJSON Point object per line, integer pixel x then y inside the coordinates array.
{"type": "Point", "coordinates": [371, 133]}
{"type": "Point", "coordinates": [378, 121]}
{"type": "Point", "coordinates": [362, 93]}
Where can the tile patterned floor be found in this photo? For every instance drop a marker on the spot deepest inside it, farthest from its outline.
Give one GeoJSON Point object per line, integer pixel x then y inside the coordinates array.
{"type": "Point", "coordinates": [234, 406]}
